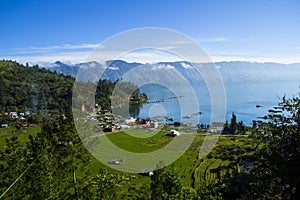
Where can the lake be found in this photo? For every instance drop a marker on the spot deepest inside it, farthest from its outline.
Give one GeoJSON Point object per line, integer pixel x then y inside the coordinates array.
{"type": "Point", "coordinates": [241, 99]}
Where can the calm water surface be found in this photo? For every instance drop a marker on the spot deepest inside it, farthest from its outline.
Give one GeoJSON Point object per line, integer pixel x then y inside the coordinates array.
{"type": "Point", "coordinates": [241, 98]}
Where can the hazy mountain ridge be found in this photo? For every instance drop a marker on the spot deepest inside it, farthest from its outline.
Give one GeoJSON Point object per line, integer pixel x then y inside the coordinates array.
{"type": "Point", "coordinates": [258, 72]}
{"type": "Point", "coordinates": [235, 71]}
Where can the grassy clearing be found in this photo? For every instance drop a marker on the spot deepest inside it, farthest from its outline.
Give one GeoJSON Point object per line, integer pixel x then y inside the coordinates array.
{"type": "Point", "coordinates": [139, 145]}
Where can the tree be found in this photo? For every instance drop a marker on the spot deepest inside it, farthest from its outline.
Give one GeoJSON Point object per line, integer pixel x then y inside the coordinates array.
{"type": "Point", "coordinates": [233, 125]}
{"type": "Point", "coordinates": [254, 125]}
{"type": "Point", "coordinates": [50, 159]}
{"type": "Point", "coordinates": [166, 184]}
{"type": "Point", "coordinates": [105, 185]}
{"type": "Point", "coordinates": [13, 163]}
{"type": "Point", "coordinates": [277, 174]}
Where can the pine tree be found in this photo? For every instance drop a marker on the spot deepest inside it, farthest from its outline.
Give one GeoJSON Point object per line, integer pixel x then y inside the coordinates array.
{"type": "Point", "coordinates": [233, 125]}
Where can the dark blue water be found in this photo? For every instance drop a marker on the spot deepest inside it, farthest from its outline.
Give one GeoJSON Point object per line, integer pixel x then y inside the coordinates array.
{"type": "Point", "coordinates": [241, 98]}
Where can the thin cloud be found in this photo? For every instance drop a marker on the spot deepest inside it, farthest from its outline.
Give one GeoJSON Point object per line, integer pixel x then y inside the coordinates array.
{"type": "Point", "coordinates": [61, 47]}
{"type": "Point", "coordinates": [72, 57]}
{"type": "Point", "coordinates": [224, 39]}
{"type": "Point", "coordinates": [78, 57]}
{"type": "Point", "coordinates": [214, 39]}
{"type": "Point", "coordinates": [82, 53]}
{"type": "Point", "coordinates": [114, 68]}
{"type": "Point", "coordinates": [228, 53]}
{"type": "Point", "coordinates": [162, 67]}
{"type": "Point", "coordinates": [286, 60]}
{"type": "Point", "coordinates": [50, 53]}
{"type": "Point", "coordinates": [186, 66]}
{"type": "Point", "coordinates": [150, 57]}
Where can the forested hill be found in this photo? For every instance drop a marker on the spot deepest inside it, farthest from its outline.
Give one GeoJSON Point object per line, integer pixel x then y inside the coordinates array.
{"type": "Point", "coordinates": [30, 88]}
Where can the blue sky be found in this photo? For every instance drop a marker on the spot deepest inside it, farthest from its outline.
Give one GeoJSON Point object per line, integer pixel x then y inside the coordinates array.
{"type": "Point", "coordinates": [67, 30]}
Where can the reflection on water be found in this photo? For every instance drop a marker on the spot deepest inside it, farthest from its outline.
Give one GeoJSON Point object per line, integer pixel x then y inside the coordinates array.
{"type": "Point", "coordinates": [134, 109]}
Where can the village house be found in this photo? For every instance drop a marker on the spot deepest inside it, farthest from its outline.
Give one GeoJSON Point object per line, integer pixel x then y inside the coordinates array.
{"type": "Point", "coordinates": [13, 115]}
{"type": "Point", "coordinates": [130, 121]}
{"type": "Point", "coordinates": [154, 124]}
{"type": "Point", "coordinates": [4, 125]}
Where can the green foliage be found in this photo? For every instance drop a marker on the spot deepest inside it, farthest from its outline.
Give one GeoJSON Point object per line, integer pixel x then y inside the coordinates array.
{"type": "Point", "coordinates": [234, 127]}
{"type": "Point", "coordinates": [103, 94]}
{"type": "Point", "coordinates": [53, 163]}
{"type": "Point", "coordinates": [106, 185]}
{"type": "Point", "coordinates": [42, 91]}
{"type": "Point", "coordinates": [277, 174]}
{"type": "Point", "coordinates": [57, 154]}
{"type": "Point", "coordinates": [233, 124]}
{"type": "Point", "coordinates": [13, 161]}
{"type": "Point", "coordinates": [30, 88]}
{"type": "Point", "coordinates": [166, 184]}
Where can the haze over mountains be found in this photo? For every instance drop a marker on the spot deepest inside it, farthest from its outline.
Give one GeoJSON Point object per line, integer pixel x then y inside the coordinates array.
{"type": "Point", "coordinates": [235, 71]}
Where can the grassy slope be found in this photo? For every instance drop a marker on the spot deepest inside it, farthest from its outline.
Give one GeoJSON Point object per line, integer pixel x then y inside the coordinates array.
{"type": "Point", "coordinates": [139, 145]}
{"type": "Point", "coordinates": [193, 171]}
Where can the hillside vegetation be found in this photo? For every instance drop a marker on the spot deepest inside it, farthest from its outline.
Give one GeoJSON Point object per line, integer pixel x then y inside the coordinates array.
{"type": "Point", "coordinates": [31, 88]}
{"type": "Point", "coordinates": [49, 161]}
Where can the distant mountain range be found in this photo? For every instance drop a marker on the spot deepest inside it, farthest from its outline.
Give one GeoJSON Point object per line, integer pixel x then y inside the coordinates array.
{"type": "Point", "coordinates": [235, 71]}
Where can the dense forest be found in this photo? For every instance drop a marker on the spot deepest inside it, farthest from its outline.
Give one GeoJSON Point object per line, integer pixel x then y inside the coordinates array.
{"type": "Point", "coordinates": [32, 88]}
{"type": "Point", "coordinates": [53, 163]}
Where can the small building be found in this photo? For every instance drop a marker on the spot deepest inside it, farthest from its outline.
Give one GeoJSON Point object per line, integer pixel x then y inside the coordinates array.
{"type": "Point", "coordinates": [13, 115]}
{"type": "Point", "coordinates": [147, 121]}
{"type": "Point", "coordinates": [123, 126]}
{"type": "Point", "coordinates": [173, 133]}
{"type": "Point", "coordinates": [115, 161]}
{"type": "Point", "coordinates": [24, 124]}
{"type": "Point", "coordinates": [154, 124]}
{"type": "Point", "coordinates": [148, 172]}
{"type": "Point", "coordinates": [4, 125]}
{"type": "Point", "coordinates": [130, 120]}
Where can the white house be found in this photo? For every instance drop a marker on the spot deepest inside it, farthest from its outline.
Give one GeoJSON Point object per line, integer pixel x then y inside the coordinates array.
{"type": "Point", "coordinates": [13, 115]}
{"type": "Point", "coordinates": [130, 120]}
{"type": "Point", "coordinates": [154, 124]}
{"type": "Point", "coordinates": [4, 125]}
{"type": "Point", "coordinates": [174, 133]}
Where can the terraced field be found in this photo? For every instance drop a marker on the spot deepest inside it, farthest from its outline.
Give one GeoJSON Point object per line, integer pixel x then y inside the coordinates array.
{"type": "Point", "coordinates": [194, 171]}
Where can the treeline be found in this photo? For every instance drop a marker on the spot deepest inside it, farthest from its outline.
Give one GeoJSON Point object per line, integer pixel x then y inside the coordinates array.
{"type": "Point", "coordinates": [24, 87]}
{"type": "Point", "coordinates": [32, 88]}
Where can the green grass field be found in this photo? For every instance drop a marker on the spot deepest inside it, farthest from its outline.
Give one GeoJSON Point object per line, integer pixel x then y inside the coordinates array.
{"type": "Point", "coordinates": [141, 144]}
{"type": "Point", "coordinates": [194, 171]}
